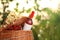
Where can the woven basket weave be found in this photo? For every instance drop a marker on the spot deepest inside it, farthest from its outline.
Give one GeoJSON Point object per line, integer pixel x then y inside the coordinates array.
{"type": "Point", "coordinates": [16, 35]}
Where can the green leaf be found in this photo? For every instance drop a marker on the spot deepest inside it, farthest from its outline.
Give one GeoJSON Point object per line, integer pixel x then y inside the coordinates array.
{"type": "Point", "coordinates": [0, 13]}
{"type": "Point", "coordinates": [4, 17]}
{"type": "Point", "coordinates": [10, 0]}
{"type": "Point", "coordinates": [28, 10]}
{"type": "Point", "coordinates": [17, 4]}
{"type": "Point", "coordinates": [38, 17]}
{"type": "Point", "coordinates": [47, 10]}
{"type": "Point", "coordinates": [16, 9]}
{"type": "Point", "coordinates": [43, 23]}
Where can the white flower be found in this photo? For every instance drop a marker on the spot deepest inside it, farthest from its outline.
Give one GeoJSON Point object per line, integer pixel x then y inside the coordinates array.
{"type": "Point", "coordinates": [39, 35]}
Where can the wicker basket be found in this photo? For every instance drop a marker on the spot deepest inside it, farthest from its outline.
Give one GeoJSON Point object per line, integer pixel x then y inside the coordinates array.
{"type": "Point", "coordinates": [16, 35]}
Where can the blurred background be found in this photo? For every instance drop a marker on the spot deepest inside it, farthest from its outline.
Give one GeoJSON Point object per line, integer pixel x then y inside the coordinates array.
{"type": "Point", "coordinates": [46, 21]}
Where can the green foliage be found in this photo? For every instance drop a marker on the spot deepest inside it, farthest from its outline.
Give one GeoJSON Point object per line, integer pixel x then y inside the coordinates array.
{"type": "Point", "coordinates": [35, 34]}
{"type": "Point", "coordinates": [47, 10]}
{"type": "Point", "coordinates": [16, 9]}
{"type": "Point", "coordinates": [5, 14]}
{"type": "Point", "coordinates": [28, 11]}
{"type": "Point", "coordinates": [10, 0]}
{"type": "Point", "coordinates": [43, 23]}
{"type": "Point", "coordinates": [55, 25]}
{"type": "Point", "coordinates": [50, 31]}
{"type": "Point", "coordinates": [4, 17]}
{"type": "Point", "coordinates": [0, 13]}
{"type": "Point", "coordinates": [38, 17]}
{"type": "Point", "coordinates": [55, 19]}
